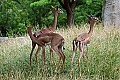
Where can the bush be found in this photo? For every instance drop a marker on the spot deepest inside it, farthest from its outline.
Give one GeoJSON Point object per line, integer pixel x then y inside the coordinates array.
{"type": "Point", "coordinates": [19, 30]}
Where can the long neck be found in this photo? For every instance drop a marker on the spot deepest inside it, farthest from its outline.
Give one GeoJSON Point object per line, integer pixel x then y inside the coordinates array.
{"type": "Point", "coordinates": [91, 28]}
{"type": "Point", "coordinates": [31, 35]}
{"type": "Point", "coordinates": [55, 21]}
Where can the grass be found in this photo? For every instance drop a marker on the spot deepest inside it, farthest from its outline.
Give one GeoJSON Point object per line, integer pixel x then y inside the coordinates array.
{"type": "Point", "coordinates": [103, 64]}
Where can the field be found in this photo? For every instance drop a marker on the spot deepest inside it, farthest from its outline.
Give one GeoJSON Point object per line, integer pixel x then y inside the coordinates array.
{"type": "Point", "coordinates": [103, 56]}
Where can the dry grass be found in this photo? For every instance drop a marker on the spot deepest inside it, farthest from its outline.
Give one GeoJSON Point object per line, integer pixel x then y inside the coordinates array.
{"type": "Point", "coordinates": [104, 57]}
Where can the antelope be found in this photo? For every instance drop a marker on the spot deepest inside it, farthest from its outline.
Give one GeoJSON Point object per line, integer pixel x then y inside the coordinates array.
{"type": "Point", "coordinates": [83, 40]}
{"type": "Point", "coordinates": [51, 29]}
{"type": "Point", "coordinates": [55, 41]}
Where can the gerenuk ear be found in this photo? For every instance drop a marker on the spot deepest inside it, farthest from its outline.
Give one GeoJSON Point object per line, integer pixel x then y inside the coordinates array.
{"type": "Point", "coordinates": [88, 16]}
{"type": "Point", "coordinates": [52, 6]}
{"type": "Point", "coordinates": [57, 7]}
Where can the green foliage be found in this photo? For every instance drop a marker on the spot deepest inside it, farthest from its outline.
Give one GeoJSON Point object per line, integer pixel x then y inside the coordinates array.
{"type": "Point", "coordinates": [39, 3]}
{"type": "Point", "coordinates": [39, 13]}
{"type": "Point", "coordinates": [12, 14]}
{"type": "Point", "coordinates": [88, 2]}
{"type": "Point", "coordinates": [93, 7]}
{"type": "Point", "coordinates": [62, 20]}
{"type": "Point", "coordinates": [19, 30]}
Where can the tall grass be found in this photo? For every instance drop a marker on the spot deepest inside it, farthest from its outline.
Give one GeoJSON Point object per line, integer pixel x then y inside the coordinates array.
{"type": "Point", "coordinates": [103, 53]}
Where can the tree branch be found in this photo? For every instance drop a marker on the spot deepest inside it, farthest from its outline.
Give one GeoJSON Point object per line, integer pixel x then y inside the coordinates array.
{"type": "Point", "coordinates": [67, 5]}
{"type": "Point", "coordinates": [62, 4]}
{"type": "Point", "coordinates": [73, 4]}
{"type": "Point", "coordinates": [2, 3]}
{"type": "Point", "coordinates": [17, 1]}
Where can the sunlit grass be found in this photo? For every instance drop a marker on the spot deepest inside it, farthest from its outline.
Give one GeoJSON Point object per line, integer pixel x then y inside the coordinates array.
{"type": "Point", "coordinates": [103, 53]}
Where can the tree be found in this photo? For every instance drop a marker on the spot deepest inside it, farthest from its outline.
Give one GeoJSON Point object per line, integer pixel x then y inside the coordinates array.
{"type": "Point", "coordinates": [12, 14]}
{"type": "Point", "coordinates": [111, 13]}
{"type": "Point", "coordinates": [38, 12]}
{"type": "Point", "coordinates": [69, 6]}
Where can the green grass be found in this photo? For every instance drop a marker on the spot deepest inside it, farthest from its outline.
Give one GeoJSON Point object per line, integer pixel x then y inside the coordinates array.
{"type": "Point", "coordinates": [103, 64]}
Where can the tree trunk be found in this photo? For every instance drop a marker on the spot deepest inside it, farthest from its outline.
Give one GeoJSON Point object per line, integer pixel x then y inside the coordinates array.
{"type": "Point", "coordinates": [111, 13]}
{"type": "Point", "coordinates": [69, 6]}
{"type": "Point", "coordinates": [70, 19]}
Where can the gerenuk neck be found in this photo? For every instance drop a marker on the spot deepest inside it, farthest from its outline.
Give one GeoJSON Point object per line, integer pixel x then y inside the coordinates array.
{"type": "Point", "coordinates": [55, 21]}
{"type": "Point", "coordinates": [91, 28]}
{"type": "Point", "coordinates": [31, 35]}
